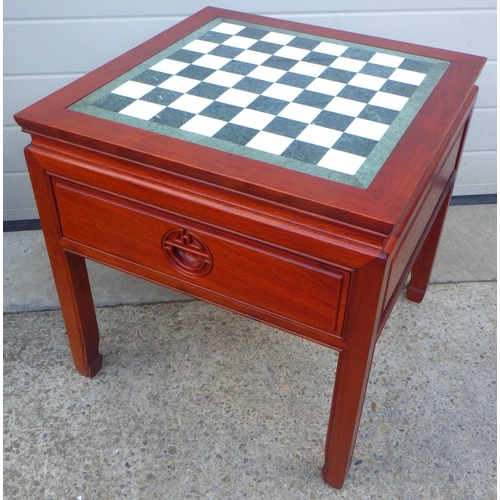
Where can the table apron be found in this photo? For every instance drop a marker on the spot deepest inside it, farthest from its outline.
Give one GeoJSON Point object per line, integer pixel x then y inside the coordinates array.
{"type": "Point", "coordinates": [290, 292]}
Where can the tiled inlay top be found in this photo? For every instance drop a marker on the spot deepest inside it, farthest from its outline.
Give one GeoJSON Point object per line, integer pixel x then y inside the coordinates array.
{"type": "Point", "coordinates": [320, 106]}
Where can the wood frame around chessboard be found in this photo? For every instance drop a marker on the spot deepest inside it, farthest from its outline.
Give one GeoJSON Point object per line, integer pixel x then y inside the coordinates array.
{"type": "Point", "coordinates": [329, 259]}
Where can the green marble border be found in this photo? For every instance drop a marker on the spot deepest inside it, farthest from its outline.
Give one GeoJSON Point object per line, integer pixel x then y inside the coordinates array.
{"type": "Point", "coordinates": [365, 174]}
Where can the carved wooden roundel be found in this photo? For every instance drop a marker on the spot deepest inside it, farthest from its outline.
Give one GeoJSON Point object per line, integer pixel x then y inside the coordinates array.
{"type": "Point", "coordinates": [187, 252]}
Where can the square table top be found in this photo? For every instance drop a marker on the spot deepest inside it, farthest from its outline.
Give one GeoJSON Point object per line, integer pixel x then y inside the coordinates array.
{"type": "Point", "coordinates": [336, 123]}
{"type": "Point", "coordinates": [326, 107]}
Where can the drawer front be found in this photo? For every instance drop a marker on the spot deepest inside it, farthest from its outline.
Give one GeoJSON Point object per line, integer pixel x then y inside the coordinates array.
{"type": "Point", "coordinates": [202, 260]}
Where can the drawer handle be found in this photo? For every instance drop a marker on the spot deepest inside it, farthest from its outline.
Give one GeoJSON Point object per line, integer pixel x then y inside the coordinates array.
{"type": "Point", "coordinates": [187, 252]}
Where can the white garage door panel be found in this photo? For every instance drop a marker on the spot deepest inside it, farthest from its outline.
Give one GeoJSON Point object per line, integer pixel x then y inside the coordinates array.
{"type": "Point", "coordinates": [14, 141]}
{"type": "Point", "coordinates": [483, 131]}
{"type": "Point", "coordinates": [27, 9]}
{"type": "Point", "coordinates": [487, 83]}
{"type": "Point", "coordinates": [80, 46]}
{"type": "Point", "coordinates": [18, 199]}
{"type": "Point", "coordinates": [477, 174]}
{"type": "Point", "coordinates": [20, 92]}
{"type": "Point", "coordinates": [73, 46]}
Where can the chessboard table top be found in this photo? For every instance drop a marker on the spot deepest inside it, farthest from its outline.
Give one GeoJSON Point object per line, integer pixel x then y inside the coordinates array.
{"type": "Point", "coordinates": [325, 107]}
{"type": "Point", "coordinates": [334, 122]}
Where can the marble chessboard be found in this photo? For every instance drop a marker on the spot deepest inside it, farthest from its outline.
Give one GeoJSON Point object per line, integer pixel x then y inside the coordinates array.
{"type": "Point", "coordinates": [321, 106]}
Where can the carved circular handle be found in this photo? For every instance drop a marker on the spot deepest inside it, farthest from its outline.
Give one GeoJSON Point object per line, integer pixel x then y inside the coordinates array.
{"type": "Point", "coordinates": [187, 252]}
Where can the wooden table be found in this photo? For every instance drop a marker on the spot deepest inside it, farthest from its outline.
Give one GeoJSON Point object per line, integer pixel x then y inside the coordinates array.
{"type": "Point", "coordinates": [293, 174]}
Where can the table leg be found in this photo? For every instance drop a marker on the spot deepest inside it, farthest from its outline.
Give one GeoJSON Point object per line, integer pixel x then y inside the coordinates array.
{"type": "Point", "coordinates": [70, 277]}
{"type": "Point", "coordinates": [353, 370]}
{"type": "Point", "coordinates": [422, 267]}
{"type": "Point", "coordinates": [75, 297]}
{"type": "Point", "coordinates": [347, 405]}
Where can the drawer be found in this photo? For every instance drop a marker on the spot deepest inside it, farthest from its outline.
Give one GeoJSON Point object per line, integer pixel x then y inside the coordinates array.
{"type": "Point", "coordinates": [273, 285]}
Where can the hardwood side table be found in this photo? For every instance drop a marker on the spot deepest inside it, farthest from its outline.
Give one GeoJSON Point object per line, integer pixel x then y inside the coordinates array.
{"type": "Point", "coordinates": [293, 174]}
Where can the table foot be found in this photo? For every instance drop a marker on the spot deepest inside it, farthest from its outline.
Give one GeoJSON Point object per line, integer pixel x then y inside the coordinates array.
{"type": "Point", "coordinates": [415, 294]}
{"type": "Point", "coordinates": [331, 480]}
{"type": "Point", "coordinates": [422, 267]}
{"type": "Point", "coordinates": [91, 369]}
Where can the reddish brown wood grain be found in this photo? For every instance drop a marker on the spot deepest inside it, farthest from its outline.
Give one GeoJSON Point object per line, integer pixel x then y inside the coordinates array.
{"type": "Point", "coordinates": [70, 277]}
{"type": "Point", "coordinates": [319, 259]}
{"type": "Point", "coordinates": [353, 369]}
{"type": "Point", "coordinates": [271, 281]}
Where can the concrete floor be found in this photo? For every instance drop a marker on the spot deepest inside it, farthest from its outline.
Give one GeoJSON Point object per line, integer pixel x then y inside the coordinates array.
{"type": "Point", "coordinates": [195, 402]}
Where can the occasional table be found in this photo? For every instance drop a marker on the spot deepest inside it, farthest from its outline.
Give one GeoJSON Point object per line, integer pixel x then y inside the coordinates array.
{"type": "Point", "coordinates": [293, 174]}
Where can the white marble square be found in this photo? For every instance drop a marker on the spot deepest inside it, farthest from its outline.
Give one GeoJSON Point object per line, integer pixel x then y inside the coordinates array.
{"type": "Point", "coordinates": [348, 64]}
{"type": "Point", "coordinates": [211, 61]}
{"type": "Point", "coordinates": [345, 106]}
{"type": "Point", "coordinates": [169, 66]}
{"type": "Point", "coordinates": [367, 81]}
{"type": "Point", "coordinates": [292, 53]}
{"type": "Point", "coordinates": [240, 42]}
{"type": "Point", "coordinates": [267, 74]}
{"type": "Point", "coordinates": [299, 112]}
{"type": "Point", "coordinates": [327, 87]}
{"type": "Point", "coordinates": [253, 119]}
{"type": "Point", "coordinates": [224, 78]}
{"type": "Point", "coordinates": [134, 90]}
{"type": "Point", "coordinates": [252, 57]}
{"type": "Point", "coordinates": [190, 103]}
{"type": "Point", "coordinates": [331, 49]}
{"type": "Point", "coordinates": [236, 97]}
{"type": "Point", "coordinates": [308, 69]}
{"type": "Point", "coordinates": [270, 143]}
{"type": "Point", "coordinates": [386, 60]}
{"type": "Point", "coordinates": [179, 84]}
{"type": "Point", "coordinates": [367, 128]}
{"type": "Point", "coordinates": [406, 76]}
{"type": "Point", "coordinates": [282, 92]}
{"type": "Point", "coordinates": [320, 136]}
{"type": "Point", "coordinates": [228, 28]}
{"type": "Point", "coordinates": [203, 125]}
{"type": "Point", "coordinates": [341, 161]}
{"type": "Point", "coordinates": [279, 38]}
{"type": "Point", "coordinates": [142, 109]}
{"type": "Point", "coordinates": [390, 101]}
{"type": "Point", "coordinates": [201, 46]}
